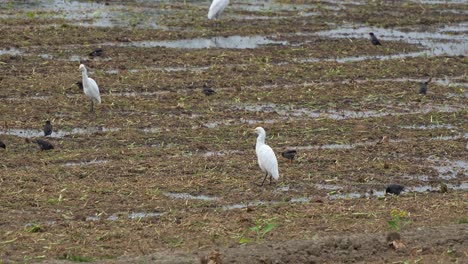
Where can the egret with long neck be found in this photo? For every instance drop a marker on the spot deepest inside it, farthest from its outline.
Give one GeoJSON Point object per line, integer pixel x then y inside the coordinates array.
{"type": "Point", "coordinates": [90, 88]}
{"type": "Point", "coordinates": [266, 156]}
{"type": "Point", "coordinates": [216, 8]}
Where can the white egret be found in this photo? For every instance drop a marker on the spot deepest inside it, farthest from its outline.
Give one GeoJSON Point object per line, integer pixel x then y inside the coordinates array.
{"type": "Point", "coordinates": [217, 7]}
{"type": "Point", "coordinates": [90, 88]}
{"type": "Point", "coordinates": [266, 157]}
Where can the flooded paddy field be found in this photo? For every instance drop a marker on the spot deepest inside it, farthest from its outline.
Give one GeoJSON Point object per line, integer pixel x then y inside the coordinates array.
{"type": "Point", "coordinates": [162, 173]}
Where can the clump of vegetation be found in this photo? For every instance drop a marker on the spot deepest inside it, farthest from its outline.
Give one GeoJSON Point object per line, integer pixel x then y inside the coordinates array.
{"type": "Point", "coordinates": [77, 258]}
{"type": "Point", "coordinates": [262, 227]}
{"type": "Point", "coordinates": [34, 228]}
{"type": "Point", "coordinates": [399, 218]}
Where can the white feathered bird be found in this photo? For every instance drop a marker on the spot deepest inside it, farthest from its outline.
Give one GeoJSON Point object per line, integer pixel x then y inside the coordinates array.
{"type": "Point", "coordinates": [90, 87]}
{"type": "Point", "coordinates": [217, 7]}
{"type": "Point", "coordinates": [266, 156]}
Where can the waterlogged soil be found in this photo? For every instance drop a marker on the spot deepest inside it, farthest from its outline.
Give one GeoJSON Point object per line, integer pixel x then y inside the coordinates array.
{"type": "Point", "coordinates": [162, 173]}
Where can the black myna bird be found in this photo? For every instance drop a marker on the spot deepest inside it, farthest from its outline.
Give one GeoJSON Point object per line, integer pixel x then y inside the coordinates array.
{"type": "Point", "coordinates": [43, 144]}
{"type": "Point", "coordinates": [374, 39]}
{"type": "Point", "coordinates": [394, 189]}
{"type": "Point", "coordinates": [289, 154]}
{"type": "Point", "coordinates": [423, 86]}
{"type": "Point", "coordinates": [96, 52]}
{"type": "Point", "coordinates": [208, 91]}
{"type": "Point", "coordinates": [47, 128]}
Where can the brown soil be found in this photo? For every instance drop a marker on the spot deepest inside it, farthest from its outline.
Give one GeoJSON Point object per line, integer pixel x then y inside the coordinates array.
{"type": "Point", "coordinates": [104, 194]}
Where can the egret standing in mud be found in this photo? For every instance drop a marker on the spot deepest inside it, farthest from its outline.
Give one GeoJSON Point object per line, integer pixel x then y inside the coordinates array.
{"type": "Point", "coordinates": [266, 157]}
{"type": "Point", "coordinates": [90, 88]}
{"type": "Point", "coordinates": [217, 7]}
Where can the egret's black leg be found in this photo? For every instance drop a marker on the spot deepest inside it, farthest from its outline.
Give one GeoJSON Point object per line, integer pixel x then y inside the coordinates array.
{"type": "Point", "coordinates": [266, 175]}
{"type": "Point", "coordinates": [92, 106]}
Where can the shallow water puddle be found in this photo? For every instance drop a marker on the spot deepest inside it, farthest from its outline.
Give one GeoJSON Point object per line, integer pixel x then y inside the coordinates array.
{"type": "Point", "coordinates": [342, 114]}
{"type": "Point", "coordinates": [243, 205]}
{"type": "Point", "coordinates": [447, 81]}
{"type": "Point", "coordinates": [84, 163]}
{"type": "Point", "coordinates": [440, 1]}
{"type": "Point", "coordinates": [429, 127]}
{"type": "Point", "coordinates": [166, 69]}
{"type": "Point", "coordinates": [335, 192]}
{"type": "Point", "coordinates": [423, 178]}
{"type": "Point", "coordinates": [429, 188]}
{"type": "Point", "coordinates": [448, 138]}
{"type": "Point", "coordinates": [451, 169]}
{"type": "Point", "coordinates": [328, 186]}
{"type": "Point", "coordinates": [132, 215]}
{"type": "Point", "coordinates": [232, 42]}
{"type": "Point", "coordinates": [140, 94]}
{"type": "Point", "coordinates": [350, 195]}
{"type": "Point", "coordinates": [220, 153]}
{"type": "Point", "coordinates": [10, 51]}
{"type": "Point", "coordinates": [187, 196]}
{"type": "Point", "coordinates": [151, 129]}
{"type": "Point", "coordinates": [270, 6]}
{"type": "Point", "coordinates": [374, 142]}
{"type": "Point", "coordinates": [240, 121]}
{"type": "Point", "coordinates": [145, 18]}
{"type": "Point", "coordinates": [283, 189]}
{"type": "Point", "coordinates": [137, 215]}
{"type": "Point", "coordinates": [37, 97]}
{"type": "Point", "coordinates": [27, 133]}
{"type": "Point", "coordinates": [436, 43]}
{"type": "Point", "coordinates": [259, 203]}
{"type": "Point", "coordinates": [94, 14]}
{"type": "Point", "coordinates": [338, 146]}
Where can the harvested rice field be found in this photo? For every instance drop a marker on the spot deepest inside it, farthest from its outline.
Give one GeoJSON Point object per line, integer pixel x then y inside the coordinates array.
{"type": "Point", "coordinates": [162, 173]}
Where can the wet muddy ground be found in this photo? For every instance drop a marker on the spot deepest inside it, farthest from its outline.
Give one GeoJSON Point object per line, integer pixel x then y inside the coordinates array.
{"type": "Point", "coordinates": [162, 173]}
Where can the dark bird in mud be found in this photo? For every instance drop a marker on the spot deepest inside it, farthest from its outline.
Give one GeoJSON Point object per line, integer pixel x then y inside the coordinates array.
{"type": "Point", "coordinates": [443, 187]}
{"type": "Point", "coordinates": [96, 53]}
{"type": "Point", "coordinates": [80, 85]}
{"type": "Point", "coordinates": [289, 154]}
{"type": "Point", "coordinates": [47, 128]}
{"type": "Point", "coordinates": [394, 189]}
{"type": "Point", "coordinates": [43, 144]}
{"type": "Point", "coordinates": [374, 39]}
{"type": "Point", "coordinates": [423, 86]}
{"type": "Point", "coordinates": [2, 145]}
{"type": "Point", "coordinates": [208, 91]}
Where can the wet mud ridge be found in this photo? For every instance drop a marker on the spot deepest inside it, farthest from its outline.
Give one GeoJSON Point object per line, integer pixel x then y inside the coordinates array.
{"type": "Point", "coordinates": [358, 248]}
{"type": "Point", "coordinates": [353, 248]}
